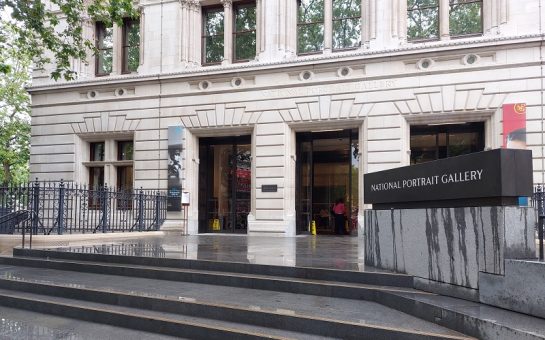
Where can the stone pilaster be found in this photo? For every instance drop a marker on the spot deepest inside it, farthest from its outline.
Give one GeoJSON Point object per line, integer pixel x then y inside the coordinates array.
{"type": "Point", "coordinates": [227, 31]}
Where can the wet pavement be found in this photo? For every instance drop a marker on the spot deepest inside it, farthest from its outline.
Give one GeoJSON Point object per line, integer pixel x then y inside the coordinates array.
{"type": "Point", "coordinates": [335, 252]}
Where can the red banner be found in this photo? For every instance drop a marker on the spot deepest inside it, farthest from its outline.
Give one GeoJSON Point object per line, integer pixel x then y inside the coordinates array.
{"type": "Point", "coordinates": [514, 126]}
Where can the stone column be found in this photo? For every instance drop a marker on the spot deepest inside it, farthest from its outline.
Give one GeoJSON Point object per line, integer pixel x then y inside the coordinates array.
{"type": "Point", "coordinates": [259, 37]}
{"type": "Point", "coordinates": [372, 19]}
{"type": "Point", "coordinates": [328, 26]}
{"type": "Point", "coordinates": [227, 31]}
{"type": "Point", "coordinates": [402, 19]}
{"type": "Point", "coordinates": [184, 28]}
{"type": "Point", "coordinates": [444, 19]}
{"type": "Point", "coordinates": [364, 24]}
{"type": "Point", "coordinates": [195, 33]}
{"type": "Point", "coordinates": [117, 53]}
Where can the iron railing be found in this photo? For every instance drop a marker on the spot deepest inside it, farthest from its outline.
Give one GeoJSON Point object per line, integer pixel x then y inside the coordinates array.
{"type": "Point", "coordinates": [538, 201]}
{"type": "Point", "coordinates": [66, 207]}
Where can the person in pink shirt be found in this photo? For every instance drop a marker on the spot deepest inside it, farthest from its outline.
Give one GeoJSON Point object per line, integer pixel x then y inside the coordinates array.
{"type": "Point", "coordinates": [339, 210]}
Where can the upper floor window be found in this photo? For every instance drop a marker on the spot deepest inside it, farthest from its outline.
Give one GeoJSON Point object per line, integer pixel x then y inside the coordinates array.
{"type": "Point", "coordinates": [244, 35]}
{"type": "Point", "coordinates": [213, 38]}
{"type": "Point", "coordinates": [104, 45]}
{"type": "Point", "coordinates": [424, 18]}
{"type": "Point", "coordinates": [310, 26]}
{"type": "Point", "coordinates": [465, 17]}
{"type": "Point", "coordinates": [131, 45]}
{"type": "Point", "coordinates": [315, 35]}
{"type": "Point", "coordinates": [346, 24]}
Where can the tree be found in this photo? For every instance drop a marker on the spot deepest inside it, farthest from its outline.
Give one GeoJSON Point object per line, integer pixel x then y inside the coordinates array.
{"type": "Point", "coordinates": [47, 38]}
{"type": "Point", "coordinates": [14, 111]}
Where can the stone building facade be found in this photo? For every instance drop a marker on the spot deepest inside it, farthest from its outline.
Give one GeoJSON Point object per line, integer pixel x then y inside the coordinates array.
{"type": "Point", "coordinates": [273, 136]}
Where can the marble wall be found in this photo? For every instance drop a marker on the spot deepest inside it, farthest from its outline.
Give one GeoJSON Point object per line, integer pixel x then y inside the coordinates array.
{"type": "Point", "coordinates": [449, 245]}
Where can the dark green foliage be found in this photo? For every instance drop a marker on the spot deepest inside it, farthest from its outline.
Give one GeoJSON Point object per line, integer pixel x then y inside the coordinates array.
{"type": "Point", "coordinates": [14, 110]}
{"type": "Point", "coordinates": [213, 31]}
{"type": "Point", "coordinates": [465, 17]}
{"type": "Point", "coordinates": [245, 34]}
{"type": "Point", "coordinates": [50, 41]}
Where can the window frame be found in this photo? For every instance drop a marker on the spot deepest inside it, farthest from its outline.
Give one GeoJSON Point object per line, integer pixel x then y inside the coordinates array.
{"type": "Point", "coordinates": [238, 4]}
{"type": "Point", "coordinates": [418, 40]}
{"type": "Point", "coordinates": [125, 45]}
{"type": "Point", "coordinates": [205, 10]}
{"type": "Point", "coordinates": [469, 35]}
{"type": "Point", "coordinates": [299, 24]}
{"type": "Point", "coordinates": [333, 19]}
{"type": "Point", "coordinates": [448, 129]}
{"type": "Point", "coordinates": [100, 27]}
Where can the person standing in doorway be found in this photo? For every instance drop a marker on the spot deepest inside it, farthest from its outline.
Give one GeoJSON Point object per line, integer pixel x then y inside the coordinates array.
{"type": "Point", "coordinates": [339, 210]}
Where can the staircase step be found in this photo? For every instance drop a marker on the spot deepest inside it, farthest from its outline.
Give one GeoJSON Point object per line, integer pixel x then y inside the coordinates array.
{"type": "Point", "coordinates": [179, 325]}
{"type": "Point", "coordinates": [380, 278]}
{"type": "Point", "coordinates": [323, 316]}
{"type": "Point", "coordinates": [262, 282]}
{"type": "Point", "coordinates": [20, 324]}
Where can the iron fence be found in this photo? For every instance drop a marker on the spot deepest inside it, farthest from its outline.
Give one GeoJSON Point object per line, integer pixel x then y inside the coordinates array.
{"type": "Point", "coordinates": [67, 207]}
{"type": "Point", "coordinates": [539, 202]}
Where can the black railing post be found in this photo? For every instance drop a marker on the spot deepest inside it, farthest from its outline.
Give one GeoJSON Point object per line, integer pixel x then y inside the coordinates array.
{"type": "Point", "coordinates": [140, 209]}
{"type": "Point", "coordinates": [60, 216]}
{"type": "Point", "coordinates": [104, 208]}
{"type": "Point", "coordinates": [157, 210]}
{"type": "Point", "coordinates": [35, 207]}
{"type": "Point", "coordinates": [541, 217]}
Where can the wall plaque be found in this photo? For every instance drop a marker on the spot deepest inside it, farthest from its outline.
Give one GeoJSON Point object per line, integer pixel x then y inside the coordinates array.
{"type": "Point", "coordinates": [269, 188]}
{"type": "Point", "coordinates": [495, 177]}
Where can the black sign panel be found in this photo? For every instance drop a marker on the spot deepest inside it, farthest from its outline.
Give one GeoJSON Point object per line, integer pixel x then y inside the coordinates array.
{"type": "Point", "coordinates": [269, 188]}
{"type": "Point", "coordinates": [496, 177]}
{"type": "Point", "coordinates": [175, 175]}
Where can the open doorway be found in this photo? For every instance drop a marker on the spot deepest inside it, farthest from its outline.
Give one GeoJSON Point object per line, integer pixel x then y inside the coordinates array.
{"type": "Point", "coordinates": [224, 184]}
{"type": "Point", "coordinates": [327, 170]}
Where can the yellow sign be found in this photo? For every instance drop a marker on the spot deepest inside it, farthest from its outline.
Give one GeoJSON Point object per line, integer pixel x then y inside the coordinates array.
{"type": "Point", "coordinates": [215, 224]}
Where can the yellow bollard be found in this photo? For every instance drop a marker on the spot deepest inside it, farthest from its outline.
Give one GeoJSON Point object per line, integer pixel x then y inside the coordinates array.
{"type": "Point", "coordinates": [313, 227]}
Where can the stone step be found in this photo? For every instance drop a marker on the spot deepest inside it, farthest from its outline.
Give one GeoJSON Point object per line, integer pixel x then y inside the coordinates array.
{"type": "Point", "coordinates": [252, 281]}
{"type": "Point", "coordinates": [380, 278]}
{"type": "Point", "coordinates": [283, 320]}
{"type": "Point", "coordinates": [140, 319]}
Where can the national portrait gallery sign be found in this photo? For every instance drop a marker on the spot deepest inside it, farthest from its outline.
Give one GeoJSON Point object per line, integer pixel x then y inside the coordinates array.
{"type": "Point", "coordinates": [496, 177]}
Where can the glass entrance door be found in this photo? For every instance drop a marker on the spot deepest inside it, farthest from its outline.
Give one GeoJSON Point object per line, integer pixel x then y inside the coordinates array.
{"type": "Point", "coordinates": [224, 184]}
{"type": "Point", "coordinates": [327, 170]}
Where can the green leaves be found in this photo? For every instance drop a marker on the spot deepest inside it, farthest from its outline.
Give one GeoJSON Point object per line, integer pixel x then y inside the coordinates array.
{"type": "Point", "coordinates": [14, 107]}
{"type": "Point", "coordinates": [52, 31]}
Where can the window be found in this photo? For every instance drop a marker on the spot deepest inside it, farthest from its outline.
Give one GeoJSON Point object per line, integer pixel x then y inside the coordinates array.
{"type": "Point", "coordinates": [346, 24]}
{"type": "Point", "coordinates": [465, 17]}
{"type": "Point", "coordinates": [131, 45]}
{"type": "Point", "coordinates": [213, 38]}
{"type": "Point", "coordinates": [244, 35]}
{"type": "Point", "coordinates": [426, 21]}
{"type": "Point", "coordinates": [310, 26]}
{"type": "Point", "coordinates": [97, 152]}
{"type": "Point", "coordinates": [423, 19]}
{"type": "Point", "coordinates": [124, 150]}
{"type": "Point", "coordinates": [104, 45]}
{"type": "Point", "coordinates": [429, 143]}
{"type": "Point", "coordinates": [110, 154]}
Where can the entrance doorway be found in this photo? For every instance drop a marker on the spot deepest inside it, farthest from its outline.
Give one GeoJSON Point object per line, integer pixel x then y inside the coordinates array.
{"type": "Point", "coordinates": [327, 170]}
{"type": "Point", "coordinates": [224, 184]}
